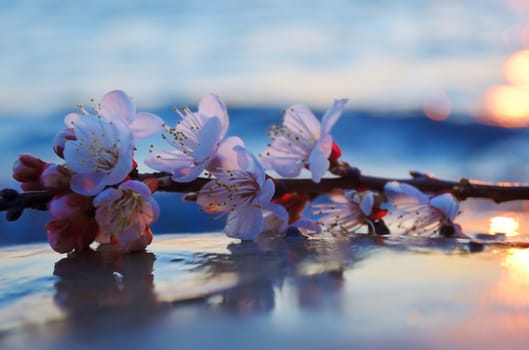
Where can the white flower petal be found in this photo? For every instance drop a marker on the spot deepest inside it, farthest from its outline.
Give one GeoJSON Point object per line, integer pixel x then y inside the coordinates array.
{"type": "Point", "coordinates": [226, 157]}
{"type": "Point", "coordinates": [300, 119]}
{"type": "Point", "coordinates": [266, 192]}
{"type": "Point", "coordinates": [110, 194]}
{"type": "Point", "coordinates": [145, 125]}
{"type": "Point", "coordinates": [366, 205]}
{"type": "Point", "coordinates": [319, 158]}
{"type": "Point", "coordinates": [332, 115]}
{"type": "Point", "coordinates": [212, 106]}
{"type": "Point", "coordinates": [286, 167]}
{"type": "Point", "coordinates": [447, 204]}
{"type": "Point", "coordinates": [248, 162]}
{"type": "Point", "coordinates": [187, 174]}
{"type": "Point", "coordinates": [207, 140]}
{"type": "Point", "coordinates": [307, 226]}
{"type": "Point", "coordinates": [88, 184]}
{"type": "Point", "coordinates": [71, 119]}
{"type": "Point", "coordinates": [404, 195]}
{"type": "Point", "coordinates": [121, 169]}
{"type": "Point", "coordinates": [136, 186]}
{"type": "Point", "coordinates": [211, 197]}
{"type": "Point", "coordinates": [76, 158]}
{"type": "Point", "coordinates": [275, 219]}
{"type": "Point", "coordinates": [117, 106]}
{"type": "Point", "coordinates": [168, 161]}
{"type": "Point", "coordinates": [246, 223]}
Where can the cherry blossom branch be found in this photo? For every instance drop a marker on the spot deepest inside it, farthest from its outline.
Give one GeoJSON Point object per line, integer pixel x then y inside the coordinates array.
{"type": "Point", "coordinates": [98, 195]}
{"type": "Point", "coordinates": [350, 178]}
{"type": "Point", "coordinates": [14, 202]}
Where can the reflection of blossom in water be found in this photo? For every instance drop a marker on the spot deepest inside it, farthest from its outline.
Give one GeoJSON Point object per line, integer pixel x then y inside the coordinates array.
{"type": "Point", "coordinates": [103, 281]}
{"type": "Point", "coordinates": [313, 268]}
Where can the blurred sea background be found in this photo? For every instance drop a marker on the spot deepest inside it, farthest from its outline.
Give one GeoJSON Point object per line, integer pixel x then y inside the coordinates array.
{"type": "Point", "coordinates": [435, 86]}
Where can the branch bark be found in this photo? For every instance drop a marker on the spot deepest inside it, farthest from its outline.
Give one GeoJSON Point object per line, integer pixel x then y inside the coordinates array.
{"type": "Point", "coordinates": [348, 178]}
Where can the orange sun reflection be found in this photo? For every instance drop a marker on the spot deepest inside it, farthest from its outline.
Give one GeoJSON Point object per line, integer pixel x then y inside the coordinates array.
{"type": "Point", "coordinates": [514, 279]}
{"type": "Point", "coordinates": [508, 106]}
{"type": "Point", "coordinates": [517, 68]}
{"type": "Point", "coordinates": [502, 224]}
{"type": "Point", "coordinates": [517, 262]}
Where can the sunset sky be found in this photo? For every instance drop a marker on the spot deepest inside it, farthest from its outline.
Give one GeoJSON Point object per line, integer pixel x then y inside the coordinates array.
{"type": "Point", "coordinates": [383, 54]}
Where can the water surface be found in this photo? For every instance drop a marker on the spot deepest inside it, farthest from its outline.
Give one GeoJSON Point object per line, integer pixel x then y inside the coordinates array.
{"type": "Point", "coordinates": [208, 291]}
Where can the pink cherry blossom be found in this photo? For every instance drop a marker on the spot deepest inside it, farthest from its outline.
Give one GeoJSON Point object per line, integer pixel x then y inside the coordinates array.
{"type": "Point", "coordinates": [73, 226]}
{"type": "Point", "coordinates": [101, 154]}
{"type": "Point", "coordinates": [124, 215]}
{"type": "Point", "coordinates": [195, 140]}
{"type": "Point", "coordinates": [242, 191]}
{"type": "Point", "coordinates": [302, 142]}
{"type": "Point", "coordinates": [117, 108]}
{"type": "Point", "coordinates": [349, 212]}
{"type": "Point", "coordinates": [420, 214]}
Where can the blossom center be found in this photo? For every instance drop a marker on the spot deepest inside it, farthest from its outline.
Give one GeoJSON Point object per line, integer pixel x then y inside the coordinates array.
{"type": "Point", "coordinates": [231, 189]}
{"type": "Point", "coordinates": [291, 141]}
{"type": "Point", "coordinates": [125, 211]}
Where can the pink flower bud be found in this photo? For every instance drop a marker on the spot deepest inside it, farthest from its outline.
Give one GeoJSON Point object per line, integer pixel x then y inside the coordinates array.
{"type": "Point", "coordinates": [67, 134]}
{"type": "Point", "coordinates": [56, 177]}
{"type": "Point", "coordinates": [70, 206]}
{"type": "Point", "coordinates": [28, 168]}
{"type": "Point", "coordinates": [65, 236]}
{"type": "Point", "coordinates": [73, 226]}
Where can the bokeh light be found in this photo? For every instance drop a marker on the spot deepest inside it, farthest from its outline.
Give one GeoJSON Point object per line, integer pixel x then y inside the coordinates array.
{"type": "Point", "coordinates": [507, 106]}
{"type": "Point", "coordinates": [506, 225]}
{"type": "Point", "coordinates": [437, 106]}
{"type": "Point", "coordinates": [517, 68]}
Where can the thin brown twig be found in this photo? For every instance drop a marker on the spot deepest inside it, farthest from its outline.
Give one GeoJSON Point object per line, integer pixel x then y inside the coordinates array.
{"type": "Point", "coordinates": [349, 178]}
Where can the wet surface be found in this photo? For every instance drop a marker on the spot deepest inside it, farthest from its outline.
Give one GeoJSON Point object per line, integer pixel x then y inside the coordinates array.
{"type": "Point", "coordinates": [208, 291]}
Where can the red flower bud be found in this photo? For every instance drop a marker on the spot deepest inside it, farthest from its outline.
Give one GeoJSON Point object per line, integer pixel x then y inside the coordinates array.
{"type": "Point", "coordinates": [28, 168]}
{"type": "Point", "coordinates": [336, 152]}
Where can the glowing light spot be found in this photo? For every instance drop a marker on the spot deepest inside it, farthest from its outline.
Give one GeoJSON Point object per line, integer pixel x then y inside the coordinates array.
{"type": "Point", "coordinates": [517, 261]}
{"type": "Point", "coordinates": [517, 68]}
{"type": "Point", "coordinates": [507, 106]}
{"type": "Point", "coordinates": [437, 106]}
{"type": "Point", "coordinates": [502, 224]}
